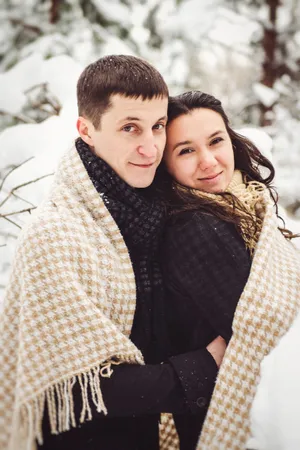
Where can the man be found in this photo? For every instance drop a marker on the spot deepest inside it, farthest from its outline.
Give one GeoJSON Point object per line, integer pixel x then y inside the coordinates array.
{"type": "Point", "coordinates": [84, 307]}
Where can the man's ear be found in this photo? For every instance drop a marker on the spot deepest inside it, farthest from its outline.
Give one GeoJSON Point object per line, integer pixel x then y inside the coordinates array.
{"type": "Point", "coordinates": [85, 129]}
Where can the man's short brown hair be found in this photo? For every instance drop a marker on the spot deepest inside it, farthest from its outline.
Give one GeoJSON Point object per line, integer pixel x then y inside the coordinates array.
{"type": "Point", "coordinates": [116, 74]}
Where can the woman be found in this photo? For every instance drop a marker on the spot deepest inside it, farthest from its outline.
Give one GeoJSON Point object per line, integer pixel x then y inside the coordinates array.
{"type": "Point", "coordinates": [225, 262]}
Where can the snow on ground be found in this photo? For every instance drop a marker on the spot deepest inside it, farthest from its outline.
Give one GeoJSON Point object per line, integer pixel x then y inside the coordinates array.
{"type": "Point", "coordinates": [275, 411]}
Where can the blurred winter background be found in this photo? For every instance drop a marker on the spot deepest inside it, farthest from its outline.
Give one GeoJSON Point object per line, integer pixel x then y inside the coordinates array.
{"type": "Point", "coordinates": [246, 52]}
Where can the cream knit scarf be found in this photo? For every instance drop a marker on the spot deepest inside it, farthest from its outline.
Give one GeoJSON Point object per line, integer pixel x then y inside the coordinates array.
{"type": "Point", "coordinates": [249, 194]}
{"type": "Point", "coordinates": [267, 307]}
{"type": "Point", "coordinates": [68, 312]}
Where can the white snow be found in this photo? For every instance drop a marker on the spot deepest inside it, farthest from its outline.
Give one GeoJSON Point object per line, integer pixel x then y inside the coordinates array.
{"type": "Point", "coordinates": [113, 10]}
{"type": "Point", "coordinates": [188, 20]}
{"type": "Point", "coordinates": [231, 29]}
{"type": "Point", "coordinates": [62, 74]}
{"type": "Point", "coordinates": [43, 143]}
{"type": "Point", "coordinates": [260, 138]}
{"type": "Point", "coordinates": [15, 81]}
{"type": "Point", "coordinates": [266, 95]}
{"type": "Point", "coordinates": [276, 409]}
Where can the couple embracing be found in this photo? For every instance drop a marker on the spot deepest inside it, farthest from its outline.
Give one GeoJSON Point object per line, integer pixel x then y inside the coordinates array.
{"type": "Point", "coordinates": [156, 250]}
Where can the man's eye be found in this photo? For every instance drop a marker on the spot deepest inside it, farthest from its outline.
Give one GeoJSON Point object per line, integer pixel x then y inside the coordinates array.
{"type": "Point", "coordinates": [128, 128]}
{"type": "Point", "coordinates": [159, 126]}
{"type": "Point", "coordinates": [216, 141]}
{"type": "Point", "coordinates": [185, 151]}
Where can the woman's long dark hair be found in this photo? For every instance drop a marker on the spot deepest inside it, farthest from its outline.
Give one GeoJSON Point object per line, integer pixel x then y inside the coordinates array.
{"type": "Point", "coordinates": [247, 157]}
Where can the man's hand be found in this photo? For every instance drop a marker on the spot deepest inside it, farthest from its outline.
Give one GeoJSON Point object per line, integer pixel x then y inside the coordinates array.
{"type": "Point", "coordinates": [217, 349]}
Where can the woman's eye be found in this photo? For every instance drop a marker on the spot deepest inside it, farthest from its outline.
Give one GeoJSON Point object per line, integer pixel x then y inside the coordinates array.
{"type": "Point", "coordinates": [128, 128]}
{"type": "Point", "coordinates": [216, 141]}
{"type": "Point", "coordinates": [185, 151]}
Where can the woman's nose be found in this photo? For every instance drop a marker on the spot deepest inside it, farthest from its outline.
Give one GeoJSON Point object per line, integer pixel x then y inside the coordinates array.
{"type": "Point", "coordinates": [207, 160]}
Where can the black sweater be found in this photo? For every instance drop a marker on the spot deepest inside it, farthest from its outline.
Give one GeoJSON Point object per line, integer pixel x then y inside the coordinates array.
{"type": "Point", "coordinates": [205, 266]}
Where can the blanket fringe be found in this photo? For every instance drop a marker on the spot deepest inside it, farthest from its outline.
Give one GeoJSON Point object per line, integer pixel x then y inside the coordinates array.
{"type": "Point", "coordinates": [60, 404]}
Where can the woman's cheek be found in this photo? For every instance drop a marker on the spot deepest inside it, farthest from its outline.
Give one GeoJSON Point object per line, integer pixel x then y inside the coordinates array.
{"type": "Point", "coordinates": [184, 170]}
{"type": "Point", "coordinates": [188, 165]}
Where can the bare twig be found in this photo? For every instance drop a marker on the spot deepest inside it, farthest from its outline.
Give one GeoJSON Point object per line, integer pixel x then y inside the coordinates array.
{"type": "Point", "coordinates": [41, 106]}
{"type": "Point", "coordinates": [31, 88]}
{"type": "Point", "coordinates": [18, 212]}
{"type": "Point", "coordinates": [23, 199]}
{"type": "Point", "coordinates": [19, 117]}
{"type": "Point", "coordinates": [27, 26]}
{"type": "Point", "coordinates": [56, 106]}
{"type": "Point", "coordinates": [23, 185]}
{"type": "Point", "coordinates": [14, 168]}
{"type": "Point", "coordinates": [53, 102]}
{"type": "Point", "coordinates": [11, 221]}
{"type": "Point", "coordinates": [7, 234]}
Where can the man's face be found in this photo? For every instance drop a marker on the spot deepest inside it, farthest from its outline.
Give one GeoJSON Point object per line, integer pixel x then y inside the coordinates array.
{"type": "Point", "coordinates": [131, 138]}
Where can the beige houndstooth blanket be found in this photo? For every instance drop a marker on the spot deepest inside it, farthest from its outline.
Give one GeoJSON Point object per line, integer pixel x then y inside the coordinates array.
{"type": "Point", "coordinates": [68, 310]}
{"type": "Point", "coordinates": [266, 309]}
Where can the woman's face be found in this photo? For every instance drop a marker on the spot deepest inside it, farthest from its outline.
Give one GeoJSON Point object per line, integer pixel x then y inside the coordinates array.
{"type": "Point", "coordinates": [199, 151]}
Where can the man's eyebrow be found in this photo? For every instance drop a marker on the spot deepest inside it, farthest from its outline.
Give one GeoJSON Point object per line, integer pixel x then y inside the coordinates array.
{"type": "Point", "coordinates": [137, 119]}
{"type": "Point", "coordinates": [130, 118]}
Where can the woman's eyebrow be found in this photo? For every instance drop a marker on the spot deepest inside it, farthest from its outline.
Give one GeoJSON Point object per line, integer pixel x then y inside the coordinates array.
{"type": "Point", "coordinates": [190, 142]}
{"type": "Point", "coordinates": [181, 143]}
{"type": "Point", "coordinates": [215, 133]}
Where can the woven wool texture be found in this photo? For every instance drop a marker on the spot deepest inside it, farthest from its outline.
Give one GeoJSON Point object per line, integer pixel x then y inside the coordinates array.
{"type": "Point", "coordinates": [249, 193]}
{"type": "Point", "coordinates": [68, 309]}
{"type": "Point", "coordinates": [265, 311]}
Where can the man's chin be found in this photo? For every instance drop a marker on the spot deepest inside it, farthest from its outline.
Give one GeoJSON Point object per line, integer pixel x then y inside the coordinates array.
{"type": "Point", "coordinates": [142, 182]}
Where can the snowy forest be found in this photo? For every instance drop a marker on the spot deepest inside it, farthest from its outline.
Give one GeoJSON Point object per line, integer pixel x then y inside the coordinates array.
{"type": "Point", "coordinates": [245, 52]}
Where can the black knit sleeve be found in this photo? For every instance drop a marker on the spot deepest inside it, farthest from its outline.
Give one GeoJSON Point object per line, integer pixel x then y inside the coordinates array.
{"type": "Point", "coordinates": [135, 391]}
{"type": "Point", "coordinates": [206, 260]}
{"type": "Point", "coordinates": [175, 386]}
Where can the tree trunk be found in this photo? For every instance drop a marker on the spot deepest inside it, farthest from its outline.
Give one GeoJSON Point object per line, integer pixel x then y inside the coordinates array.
{"type": "Point", "coordinates": [270, 64]}
{"type": "Point", "coordinates": [54, 14]}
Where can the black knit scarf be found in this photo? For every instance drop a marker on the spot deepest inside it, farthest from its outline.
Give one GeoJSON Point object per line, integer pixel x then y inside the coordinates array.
{"type": "Point", "coordinates": [141, 222]}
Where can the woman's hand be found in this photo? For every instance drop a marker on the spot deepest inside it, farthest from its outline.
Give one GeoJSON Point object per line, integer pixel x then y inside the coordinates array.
{"type": "Point", "coordinates": [217, 349]}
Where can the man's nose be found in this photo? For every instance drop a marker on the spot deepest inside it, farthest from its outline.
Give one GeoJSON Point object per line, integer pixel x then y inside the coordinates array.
{"type": "Point", "coordinates": [148, 147]}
